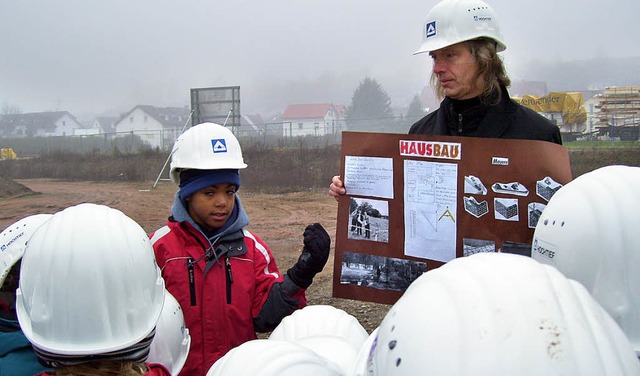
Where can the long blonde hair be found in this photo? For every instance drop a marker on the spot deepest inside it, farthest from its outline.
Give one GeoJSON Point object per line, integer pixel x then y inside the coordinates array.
{"type": "Point", "coordinates": [491, 71]}
{"type": "Point", "coordinates": [104, 368]}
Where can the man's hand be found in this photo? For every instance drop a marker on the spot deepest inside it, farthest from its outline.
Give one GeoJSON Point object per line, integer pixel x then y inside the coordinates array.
{"type": "Point", "coordinates": [336, 189]}
{"type": "Point", "coordinates": [315, 254]}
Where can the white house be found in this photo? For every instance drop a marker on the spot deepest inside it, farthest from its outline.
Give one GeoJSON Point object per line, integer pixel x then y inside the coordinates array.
{"type": "Point", "coordinates": [590, 105]}
{"type": "Point", "coordinates": [156, 126]}
{"type": "Point", "coordinates": [317, 119]}
{"type": "Point", "coordinates": [102, 125]}
{"type": "Point", "coordinates": [39, 124]}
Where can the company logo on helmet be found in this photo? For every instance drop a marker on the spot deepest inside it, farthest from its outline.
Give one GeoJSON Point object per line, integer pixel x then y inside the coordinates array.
{"type": "Point", "coordinates": [219, 145]}
{"type": "Point", "coordinates": [6, 245]}
{"type": "Point", "coordinates": [431, 29]}
{"type": "Point", "coordinates": [543, 251]}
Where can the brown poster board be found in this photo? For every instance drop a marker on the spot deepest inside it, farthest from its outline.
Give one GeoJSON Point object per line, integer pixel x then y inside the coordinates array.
{"type": "Point", "coordinates": [415, 202]}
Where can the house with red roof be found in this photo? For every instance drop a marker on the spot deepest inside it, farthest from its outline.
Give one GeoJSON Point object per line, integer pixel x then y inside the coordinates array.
{"type": "Point", "coordinates": [314, 119]}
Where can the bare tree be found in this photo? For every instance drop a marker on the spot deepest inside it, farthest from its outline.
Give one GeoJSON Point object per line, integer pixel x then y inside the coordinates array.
{"type": "Point", "coordinates": [10, 109]}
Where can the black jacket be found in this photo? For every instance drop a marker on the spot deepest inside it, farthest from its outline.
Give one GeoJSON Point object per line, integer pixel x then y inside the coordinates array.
{"type": "Point", "coordinates": [507, 119]}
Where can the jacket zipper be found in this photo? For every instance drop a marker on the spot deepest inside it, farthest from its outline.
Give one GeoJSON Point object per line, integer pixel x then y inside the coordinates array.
{"type": "Point", "coordinates": [459, 123]}
{"type": "Point", "coordinates": [227, 264]}
{"type": "Point", "coordinates": [192, 281]}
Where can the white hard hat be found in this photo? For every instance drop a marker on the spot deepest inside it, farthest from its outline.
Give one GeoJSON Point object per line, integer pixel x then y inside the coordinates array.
{"type": "Point", "coordinates": [172, 341]}
{"type": "Point", "coordinates": [320, 320]}
{"type": "Point", "coordinates": [272, 358]}
{"type": "Point", "coordinates": [590, 231]}
{"type": "Point", "coordinates": [334, 349]}
{"type": "Point", "coordinates": [359, 366]}
{"type": "Point", "coordinates": [13, 241]}
{"type": "Point", "coordinates": [454, 21]}
{"type": "Point", "coordinates": [205, 146]}
{"type": "Point", "coordinates": [89, 283]}
{"type": "Point", "coordinates": [499, 314]}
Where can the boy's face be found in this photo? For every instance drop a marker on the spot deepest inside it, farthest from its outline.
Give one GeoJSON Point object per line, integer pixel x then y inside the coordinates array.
{"type": "Point", "coordinates": [210, 207]}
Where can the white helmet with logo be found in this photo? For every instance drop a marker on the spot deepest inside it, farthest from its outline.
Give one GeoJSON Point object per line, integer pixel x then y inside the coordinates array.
{"type": "Point", "coordinates": [272, 358]}
{"type": "Point", "coordinates": [13, 241]}
{"type": "Point", "coordinates": [320, 320]}
{"type": "Point", "coordinates": [172, 341]}
{"type": "Point", "coordinates": [89, 283]}
{"type": "Point", "coordinates": [499, 314]}
{"type": "Point", "coordinates": [205, 146]}
{"type": "Point", "coordinates": [589, 231]}
{"type": "Point", "coordinates": [454, 21]}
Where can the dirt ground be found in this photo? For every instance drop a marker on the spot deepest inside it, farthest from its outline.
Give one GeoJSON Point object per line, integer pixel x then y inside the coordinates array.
{"type": "Point", "coordinates": [279, 219]}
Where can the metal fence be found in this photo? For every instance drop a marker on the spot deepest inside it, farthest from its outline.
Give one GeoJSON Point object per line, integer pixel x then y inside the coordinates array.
{"type": "Point", "coordinates": [278, 134]}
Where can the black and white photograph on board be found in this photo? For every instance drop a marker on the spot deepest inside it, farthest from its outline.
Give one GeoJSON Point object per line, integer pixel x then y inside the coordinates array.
{"type": "Point", "coordinates": [472, 246]}
{"type": "Point", "coordinates": [505, 209]}
{"type": "Point", "coordinates": [534, 211]}
{"type": "Point", "coordinates": [473, 185]}
{"type": "Point", "coordinates": [547, 187]}
{"type": "Point", "coordinates": [522, 249]}
{"type": "Point", "coordinates": [475, 208]}
{"type": "Point", "coordinates": [512, 188]}
{"type": "Point", "coordinates": [368, 220]}
{"type": "Point", "coordinates": [378, 272]}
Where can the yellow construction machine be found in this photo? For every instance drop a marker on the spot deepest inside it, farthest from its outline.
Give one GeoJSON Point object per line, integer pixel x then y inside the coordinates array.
{"type": "Point", "coordinates": [566, 109]}
{"type": "Point", "coordinates": [7, 153]}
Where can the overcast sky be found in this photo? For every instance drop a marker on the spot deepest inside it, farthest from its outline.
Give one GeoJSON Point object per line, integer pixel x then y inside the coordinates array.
{"type": "Point", "coordinates": [91, 56]}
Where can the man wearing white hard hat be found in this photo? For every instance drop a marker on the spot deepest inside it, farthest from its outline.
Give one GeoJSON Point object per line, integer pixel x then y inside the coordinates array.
{"type": "Point", "coordinates": [463, 39]}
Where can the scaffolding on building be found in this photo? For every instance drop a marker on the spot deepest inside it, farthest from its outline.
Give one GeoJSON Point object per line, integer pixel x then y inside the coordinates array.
{"type": "Point", "coordinates": [618, 112]}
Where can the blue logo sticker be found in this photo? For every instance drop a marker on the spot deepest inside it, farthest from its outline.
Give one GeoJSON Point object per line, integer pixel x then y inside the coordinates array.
{"type": "Point", "coordinates": [219, 145]}
{"type": "Point", "coordinates": [482, 18]}
{"type": "Point", "coordinates": [431, 29]}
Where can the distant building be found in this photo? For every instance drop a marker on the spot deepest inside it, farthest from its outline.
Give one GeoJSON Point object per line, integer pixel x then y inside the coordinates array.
{"type": "Point", "coordinates": [316, 119]}
{"type": "Point", "coordinates": [617, 112]}
{"type": "Point", "coordinates": [591, 101]}
{"type": "Point", "coordinates": [158, 127]}
{"type": "Point", "coordinates": [39, 124]}
{"type": "Point", "coordinates": [251, 126]}
{"type": "Point", "coordinates": [106, 124]}
{"type": "Point", "coordinates": [341, 116]}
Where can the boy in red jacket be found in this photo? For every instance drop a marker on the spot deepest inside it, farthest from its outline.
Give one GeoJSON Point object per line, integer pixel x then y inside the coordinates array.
{"type": "Point", "coordinates": [224, 276]}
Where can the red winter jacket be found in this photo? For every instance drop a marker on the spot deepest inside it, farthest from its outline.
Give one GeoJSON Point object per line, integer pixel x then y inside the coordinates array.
{"type": "Point", "coordinates": [225, 297]}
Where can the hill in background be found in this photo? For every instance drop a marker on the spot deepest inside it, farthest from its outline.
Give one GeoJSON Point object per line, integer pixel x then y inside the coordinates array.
{"type": "Point", "coordinates": [586, 75]}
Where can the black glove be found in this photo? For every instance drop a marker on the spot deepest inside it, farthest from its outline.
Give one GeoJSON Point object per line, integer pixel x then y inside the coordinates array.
{"type": "Point", "coordinates": [314, 256]}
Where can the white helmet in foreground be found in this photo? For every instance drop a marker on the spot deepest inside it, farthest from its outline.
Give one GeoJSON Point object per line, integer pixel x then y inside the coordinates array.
{"type": "Point", "coordinates": [272, 358]}
{"type": "Point", "coordinates": [453, 21]}
{"type": "Point", "coordinates": [170, 345]}
{"type": "Point", "coordinates": [499, 314]}
{"type": "Point", "coordinates": [334, 349]}
{"type": "Point", "coordinates": [205, 146]}
{"type": "Point", "coordinates": [590, 231]}
{"type": "Point", "coordinates": [89, 283]}
{"type": "Point", "coordinates": [320, 320]}
{"type": "Point", "coordinates": [359, 365]}
{"type": "Point", "coordinates": [13, 241]}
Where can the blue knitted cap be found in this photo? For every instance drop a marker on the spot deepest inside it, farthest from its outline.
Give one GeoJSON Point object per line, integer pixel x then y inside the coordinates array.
{"type": "Point", "coordinates": [192, 180]}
